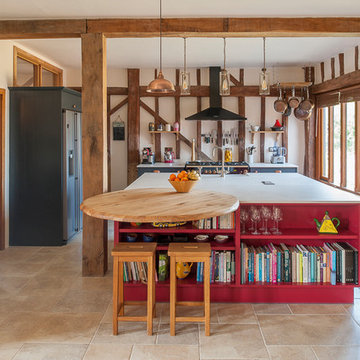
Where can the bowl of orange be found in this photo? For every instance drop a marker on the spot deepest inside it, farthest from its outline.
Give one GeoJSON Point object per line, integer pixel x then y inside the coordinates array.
{"type": "Point", "coordinates": [181, 182]}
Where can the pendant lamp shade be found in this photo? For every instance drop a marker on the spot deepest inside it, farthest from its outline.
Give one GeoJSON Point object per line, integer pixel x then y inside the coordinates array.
{"type": "Point", "coordinates": [224, 77]}
{"type": "Point", "coordinates": [264, 84]}
{"type": "Point", "coordinates": [160, 84]}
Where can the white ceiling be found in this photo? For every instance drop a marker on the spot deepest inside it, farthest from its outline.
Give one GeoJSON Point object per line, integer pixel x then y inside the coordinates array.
{"type": "Point", "coordinates": [201, 52]}
{"type": "Point", "coordinates": [137, 52]}
{"type": "Point", "coordinates": [37, 9]}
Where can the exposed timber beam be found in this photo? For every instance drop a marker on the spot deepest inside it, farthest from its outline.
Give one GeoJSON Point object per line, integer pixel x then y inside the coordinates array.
{"type": "Point", "coordinates": [182, 27]}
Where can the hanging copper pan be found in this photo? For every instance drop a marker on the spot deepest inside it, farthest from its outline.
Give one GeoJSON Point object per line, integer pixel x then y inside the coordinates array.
{"type": "Point", "coordinates": [293, 101]}
{"type": "Point", "coordinates": [307, 104]}
{"type": "Point", "coordinates": [302, 114]}
{"type": "Point", "coordinates": [280, 104]}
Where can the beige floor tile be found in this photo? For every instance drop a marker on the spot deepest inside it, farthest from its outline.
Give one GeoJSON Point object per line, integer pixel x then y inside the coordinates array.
{"type": "Point", "coordinates": [130, 310]}
{"type": "Point", "coordinates": [319, 309]}
{"type": "Point", "coordinates": [83, 301]}
{"type": "Point", "coordinates": [232, 341]}
{"type": "Point", "coordinates": [16, 254]}
{"type": "Point", "coordinates": [271, 309]}
{"type": "Point", "coordinates": [189, 311]}
{"type": "Point", "coordinates": [337, 352]}
{"type": "Point", "coordinates": [44, 301]}
{"type": "Point", "coordinates": [236, 314]}
{"type": "Point", "coordinates": [187, 334]}
{"type": "Point", "coordinates": [20, 269]}
{"type": "Point", "coordinates": [108, 352]}
{"type": "Point", "coordinates": [130, 333]}
{"type": "Point", "coordinates": [92, 283]}
{"type": "Point", "coordinates": [7, 351]}
{"type": "Point", "coordinates": [51, 352]}
{"type": "Point", "coordinates": [309, 330]}
{"type": "Point", "coordinates": [291, 352]}
{"type": "Point", "coordinates": [165, 352]}
{"type": "Point", "coordinates": [10, 286]}
{"type": "Point", "coordinates": [354, 310]}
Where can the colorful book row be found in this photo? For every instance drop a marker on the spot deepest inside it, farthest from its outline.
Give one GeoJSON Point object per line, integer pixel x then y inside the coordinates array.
{"type": "Point", "coordinates": [331, 263]}
{"type": "Point", "coordinates": [222, 267]}
{"type": "Point", "coordinates": [218, 222]}
{"type": "Point", "coordinates": [135, 271]}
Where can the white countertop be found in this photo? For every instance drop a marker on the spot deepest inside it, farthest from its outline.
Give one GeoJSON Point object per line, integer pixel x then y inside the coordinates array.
{"type": "Point", "coordinates": [176, 163]}
{"type": "Point", "coordinates": [270, 165]}
{"type": "Point", "coordinates": [181, 163]}
{"type": "Point", "coordinates": [288, 188]}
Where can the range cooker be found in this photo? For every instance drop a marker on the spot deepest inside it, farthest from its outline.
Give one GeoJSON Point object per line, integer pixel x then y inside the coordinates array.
{"type": "Point", "coordinates": [214, 167]}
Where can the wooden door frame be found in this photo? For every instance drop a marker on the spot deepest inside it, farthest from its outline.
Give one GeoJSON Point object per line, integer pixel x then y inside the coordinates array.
{"type": "Point", "coordinates": [2, 167]}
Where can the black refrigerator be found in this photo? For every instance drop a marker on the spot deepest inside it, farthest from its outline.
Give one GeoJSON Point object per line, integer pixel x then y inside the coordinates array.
{"type": "Point", "coordinates": [45, 179]}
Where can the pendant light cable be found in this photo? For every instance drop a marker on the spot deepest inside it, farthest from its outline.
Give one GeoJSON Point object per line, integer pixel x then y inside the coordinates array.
{"type": "Point", "coordinates": [224, 53]}
{"type": "Point", "coordinates": [184, 54]}
{"type": "Point", "coordinates": [264, 68]}
{"type": "Point", "coordinates": [160, 35]}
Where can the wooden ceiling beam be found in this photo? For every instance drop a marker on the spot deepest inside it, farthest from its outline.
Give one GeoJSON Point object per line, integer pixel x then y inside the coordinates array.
{"type": "Point", "coordinates": [40, 29]}
{"type": "Point", "coordinates": [182, 27]}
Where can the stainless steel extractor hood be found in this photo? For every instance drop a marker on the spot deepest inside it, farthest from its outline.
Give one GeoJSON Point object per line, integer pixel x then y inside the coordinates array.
{"type": "Point", "coordinates": [215, 111]}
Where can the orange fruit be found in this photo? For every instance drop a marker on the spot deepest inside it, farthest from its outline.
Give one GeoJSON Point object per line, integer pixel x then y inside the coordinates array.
{"type": "Point", "coordinates": [180, 175]}
{"type": "Point", "coordinates": [184, 179]}
{"type": "Point", "coordinates": [177, 179]}
{"type": "Point", "coordinates": [183, 172]}
{"type": "Point", "coordinates": [172, 177]}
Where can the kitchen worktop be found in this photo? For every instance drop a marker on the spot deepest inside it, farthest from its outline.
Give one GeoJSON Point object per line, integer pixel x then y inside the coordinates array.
{"type": "Point", "coordinates": [176, 164]}
{"type": "Point", "coordinates": [270, 165]}
{"type": "Point", "coordinates": [288, 188]}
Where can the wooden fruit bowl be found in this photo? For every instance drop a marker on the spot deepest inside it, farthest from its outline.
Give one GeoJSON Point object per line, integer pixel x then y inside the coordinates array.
{"type": "Point", "coordinates": [183, 186]}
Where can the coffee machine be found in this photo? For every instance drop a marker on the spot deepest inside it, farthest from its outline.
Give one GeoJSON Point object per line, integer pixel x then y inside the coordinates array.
{"type": "Point", "coordinates": [169, 155]}
{"type": "Point", "coordinates": [278, 154]}
{"type": "Point", "coordinates": [147, 156]}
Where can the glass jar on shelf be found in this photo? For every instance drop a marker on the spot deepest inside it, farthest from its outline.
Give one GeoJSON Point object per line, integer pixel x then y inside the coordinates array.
{"type": "Point", "coordinates": [228, 154]}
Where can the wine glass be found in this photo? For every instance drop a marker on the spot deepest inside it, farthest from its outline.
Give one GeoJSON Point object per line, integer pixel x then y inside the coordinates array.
{"type": "Point", "coordinates": [262, 227]}
{"type": "Point", "coordinates": [255, 217]}
{"type": "Point", "coordinates": [277, 216]}
{"type": "Point", "coordinates": [244, 216]}
{"type": "Point", "coordinates": [266, 215]}
{"type": "Point", "coordinates": [251, 209]}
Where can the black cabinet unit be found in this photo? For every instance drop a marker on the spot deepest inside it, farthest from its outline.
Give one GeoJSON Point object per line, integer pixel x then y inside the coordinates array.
{"type": "Point", "coordinates": [45, 165]}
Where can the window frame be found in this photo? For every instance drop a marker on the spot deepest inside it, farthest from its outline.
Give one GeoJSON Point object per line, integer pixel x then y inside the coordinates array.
{"type": "Point", "coordinates": [343, 160]}
{"type": "Point", "coordinates": [38, 65]}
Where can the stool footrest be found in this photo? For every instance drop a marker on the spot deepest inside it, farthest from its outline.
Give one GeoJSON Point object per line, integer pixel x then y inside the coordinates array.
{"type": "Point", "coordinates": [131, 318]}
{"type": "Point", "coordinates": [190, 303]}
{"type": "Point", "coordinates": [190, 318]}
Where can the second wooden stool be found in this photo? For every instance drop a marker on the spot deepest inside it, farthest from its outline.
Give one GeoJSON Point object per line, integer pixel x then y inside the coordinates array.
{"type": "Point", "coordinates": [140, 252]}
{"type": "Point", "coordinates": [189, 252]}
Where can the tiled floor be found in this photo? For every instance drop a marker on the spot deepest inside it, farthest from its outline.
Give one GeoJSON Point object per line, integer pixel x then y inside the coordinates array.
{"type": "Point", "coordinates": [49, 312]}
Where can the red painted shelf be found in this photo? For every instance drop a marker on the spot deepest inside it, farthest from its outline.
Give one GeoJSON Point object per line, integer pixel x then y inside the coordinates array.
{"type": "Point", "coordinates": [303, 234]}
{"type": "Point", "coordinates": [214, 246]}
{"type": "Point", "coordinates": [187, 228]}
{"type": "Point", "coordinates": [296, 285]}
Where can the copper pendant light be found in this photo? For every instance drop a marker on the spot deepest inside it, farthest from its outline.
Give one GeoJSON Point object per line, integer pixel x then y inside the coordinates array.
{"type": "Point", "coordinates": [160, 84]}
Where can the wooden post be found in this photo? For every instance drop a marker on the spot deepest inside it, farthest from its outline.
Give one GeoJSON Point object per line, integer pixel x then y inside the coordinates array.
{"type": "Point", "coordinates": [94, 145]}
{"type": "Point", "coordinates": [341, 63]}
{"type": "Point", "coordinates": [262, 127]}
{"type": "Point", "coordinates": [241, 124]}
{"type": "Point", "coordinates": [333, 68]}
{"type": "Point", "coordinates": [177, 114]}
{"type": "Point", "coordinates": [133, 142]}
{"type": "Point", "coordinates": [198, 123]}
{"type": "Point", "coordinates": [157, 122]}
{"type": "Point", "coordinates": [109, 131]}
{"type": "Point", "coordinates": [285, 134]}
{"type": "Point", "coordinates": [356, 57]}
{"type": "Point", "coordinates": [2, 169]}
{"type": "Point", "coordinates": [322, 71]}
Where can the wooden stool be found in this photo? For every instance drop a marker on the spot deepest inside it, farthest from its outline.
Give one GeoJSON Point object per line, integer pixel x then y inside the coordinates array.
{"type": "Point", "coordinates": [189, 252]}
{"type": "Point", "coordinates": [139, 252]}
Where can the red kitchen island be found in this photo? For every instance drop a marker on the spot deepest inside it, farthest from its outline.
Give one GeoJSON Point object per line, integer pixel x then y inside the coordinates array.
{"type": "Point", "coordinates": [300, 199]}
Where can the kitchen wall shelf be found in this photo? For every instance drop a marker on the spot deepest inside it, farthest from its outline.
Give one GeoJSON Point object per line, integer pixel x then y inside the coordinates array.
{"type": "Point", "coordinates": [278, 133]}
{"type": "Point", "coordinates": [295, 84]}
{"type": "Point", "coordinates": [176, 132]}
{"type": "Point", "coordinates": [297, 227]}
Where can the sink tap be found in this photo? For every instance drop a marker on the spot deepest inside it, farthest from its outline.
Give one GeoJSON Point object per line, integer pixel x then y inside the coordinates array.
{"type": "Point", "coordinates": [222, 148]}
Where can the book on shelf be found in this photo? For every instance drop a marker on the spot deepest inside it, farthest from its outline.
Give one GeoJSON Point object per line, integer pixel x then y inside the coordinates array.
{"type": "Point", "coordinates": [218, 222]}
{"type": "Point", "coordinates": [332, 263]}
{"type": "Point", "coordinates": [222, 267]}
{"type": "Point", "coordinates": [135, 271]}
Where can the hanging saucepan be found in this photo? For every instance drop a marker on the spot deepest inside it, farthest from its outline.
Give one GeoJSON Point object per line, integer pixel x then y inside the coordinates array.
{"type": "Point", "coordinates": [293, 101]}
{"type": "Point", "coordinates": [280, 104]}
{"type": "Point", "coordinates": [307, 104]}
{"type": "Point", "coordinates": [287, 111]}
{"type": "Point", "coordinates": [302, 114]}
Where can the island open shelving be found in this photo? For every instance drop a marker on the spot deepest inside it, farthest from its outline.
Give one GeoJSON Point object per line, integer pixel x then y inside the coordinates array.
{"type": "Point", "coordinates": [297, 227]}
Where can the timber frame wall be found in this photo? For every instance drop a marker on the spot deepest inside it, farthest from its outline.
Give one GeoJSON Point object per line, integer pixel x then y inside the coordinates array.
{"type": "Point", "coordinates": [94, 96]}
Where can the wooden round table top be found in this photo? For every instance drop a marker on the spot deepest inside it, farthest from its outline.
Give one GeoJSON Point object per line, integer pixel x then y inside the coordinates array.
{"type": "Point", "coordinates": [155, 205]}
